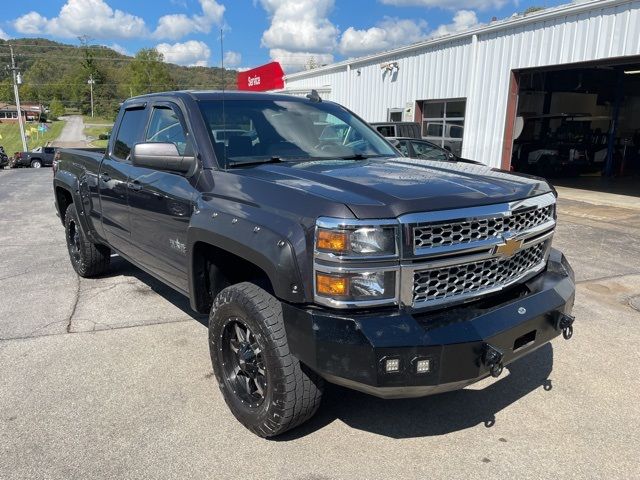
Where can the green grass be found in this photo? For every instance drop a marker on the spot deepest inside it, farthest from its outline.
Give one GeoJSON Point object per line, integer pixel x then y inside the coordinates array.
{"type": "Point", "coordinates": [95, 132]}
{"type": "Point", "coordinates": [97, 120]}
{"type": "Point", "coordinates": [11, 136]}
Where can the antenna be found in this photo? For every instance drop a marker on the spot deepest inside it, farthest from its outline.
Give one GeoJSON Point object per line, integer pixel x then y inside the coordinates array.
{"type": "Point", "coordinates": [224, 115]}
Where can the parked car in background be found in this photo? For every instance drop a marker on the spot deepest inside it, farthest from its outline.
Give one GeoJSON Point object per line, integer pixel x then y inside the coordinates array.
{"type": "Point", "coordinates": [448, 135]}
{"type": "Point", "coordinates": [425, 150]}
{"type": "Point", "coordinates": [4, 159]}
{"type": "Point", "coordinates": [38, 157]}
{"type": "Point", "coordinates": [398, 129]}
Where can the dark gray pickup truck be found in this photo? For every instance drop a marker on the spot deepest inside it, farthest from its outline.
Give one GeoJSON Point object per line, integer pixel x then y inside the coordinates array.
{"type": "Point", "coordinates": [318, 259]}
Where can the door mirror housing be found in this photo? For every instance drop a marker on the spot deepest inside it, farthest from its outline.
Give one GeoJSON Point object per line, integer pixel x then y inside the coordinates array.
{"type": "Point", "coordinates": [161, 156]}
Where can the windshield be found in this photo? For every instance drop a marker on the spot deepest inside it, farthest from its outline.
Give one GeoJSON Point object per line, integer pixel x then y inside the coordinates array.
{"type": "Point", "coordinates": [256, 131]}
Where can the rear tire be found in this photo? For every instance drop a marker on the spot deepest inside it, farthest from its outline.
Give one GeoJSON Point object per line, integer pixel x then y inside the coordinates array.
{"type": "Point", "coordinates": [36, 164]}
{"type": "Point", "coordinates": [266, 388]}
{"type": "Point", "coordinates": [87, 259]}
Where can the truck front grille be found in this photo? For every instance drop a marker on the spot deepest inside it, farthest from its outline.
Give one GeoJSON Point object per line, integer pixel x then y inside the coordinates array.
{"type": "Point", "coordinates": [456, 282]}
{"type": "Point", "coordinates": [443, 234]}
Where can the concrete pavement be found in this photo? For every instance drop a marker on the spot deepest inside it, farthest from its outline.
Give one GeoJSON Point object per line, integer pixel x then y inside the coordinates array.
{"type": "Point", "coordinates": [111, 378]}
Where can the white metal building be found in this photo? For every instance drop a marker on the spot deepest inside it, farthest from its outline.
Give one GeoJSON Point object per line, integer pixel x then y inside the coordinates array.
{"type": "Point", "coordinates": [469, 84]}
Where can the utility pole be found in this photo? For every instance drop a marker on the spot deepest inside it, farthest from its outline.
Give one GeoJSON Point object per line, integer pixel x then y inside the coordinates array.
{"type": "Point", "coordinates": [16, 81]}
{"type": "Point", "coordinates": [91, 82]}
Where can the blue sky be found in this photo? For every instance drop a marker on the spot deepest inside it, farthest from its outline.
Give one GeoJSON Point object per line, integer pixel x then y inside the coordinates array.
{"type": "Point", "coordinates": [256, 31]}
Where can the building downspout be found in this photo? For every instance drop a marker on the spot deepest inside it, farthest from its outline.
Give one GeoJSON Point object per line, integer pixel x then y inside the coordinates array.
{"type": "Point", "coordinates": [348, 102]}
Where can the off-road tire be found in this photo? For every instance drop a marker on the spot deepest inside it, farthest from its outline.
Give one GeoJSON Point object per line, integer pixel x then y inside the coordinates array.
{"type": "Point", "coordinates": [87, 258]}
{"type": "Point", "coordinates": [36, 164]}
{"type": "Point", "coordinates": [293, 392]}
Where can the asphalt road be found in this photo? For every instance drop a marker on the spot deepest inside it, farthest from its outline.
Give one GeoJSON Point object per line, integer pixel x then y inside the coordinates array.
{"type": "Point", "coordinates": [111, 378]}
{"type": "Point", "coordinates": [72, 134]}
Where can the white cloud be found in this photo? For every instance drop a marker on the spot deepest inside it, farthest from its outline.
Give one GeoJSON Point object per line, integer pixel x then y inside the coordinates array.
{"type": "Point", "coordinates": [3, 35]}
{"type": "Point", "coordinates": [97, 19]}
{"type": "Point", "coordinates": [119, 48]}
{"type": "Point", "coordinates": [389, 33]}
{"type": "Point", "coordinates": [83, 17]}
{"type": "Point", "coordinates": [191, 53]}
{"type": "Point", "coordinates": [178, 25]}
{"type": "Point", "coordinates": [299, 30]}
{"type": "Point", "coordinates": [232, 59]}
{"type": "Point", "coordinates": [462, 20]}
{"type": "Point", "coordinates": [450, 4]}
{"type": "Point", "coordinates": [296, 61]}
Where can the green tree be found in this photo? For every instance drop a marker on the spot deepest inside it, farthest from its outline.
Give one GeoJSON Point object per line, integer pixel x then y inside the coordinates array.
{"type": "Point", "coordinates": [56, 108]}
{"type": "Point", "coordinates": [149, 73]}
{"type": "Point", "coordinates": [532, 9]}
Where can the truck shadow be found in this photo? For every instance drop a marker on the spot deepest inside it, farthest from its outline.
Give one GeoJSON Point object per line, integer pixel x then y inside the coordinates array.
{"type": "Point", "coordinates": [121, 267]}
{"type": "Point", "coordinates": [434, 415]}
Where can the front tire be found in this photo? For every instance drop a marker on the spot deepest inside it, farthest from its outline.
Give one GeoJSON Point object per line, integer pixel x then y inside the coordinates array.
{"type": "Point", "coordinates": [88, 259]}
{"type": "Point", "coordinates": [266, 388]}
{"type": "Point", "coordinates": [36, 164]}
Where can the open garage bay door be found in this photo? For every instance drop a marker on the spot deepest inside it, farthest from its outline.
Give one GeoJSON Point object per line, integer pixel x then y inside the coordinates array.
{"type": "Point", "coordinates": [579, 124]}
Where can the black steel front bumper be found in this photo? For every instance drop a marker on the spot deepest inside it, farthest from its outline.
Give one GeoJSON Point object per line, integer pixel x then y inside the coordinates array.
{"type": "Point", "coordinates": [463, 344]}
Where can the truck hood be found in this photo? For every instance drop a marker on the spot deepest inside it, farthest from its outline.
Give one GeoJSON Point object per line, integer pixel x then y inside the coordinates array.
{"type": "Point", "coordinates": [386, 188]}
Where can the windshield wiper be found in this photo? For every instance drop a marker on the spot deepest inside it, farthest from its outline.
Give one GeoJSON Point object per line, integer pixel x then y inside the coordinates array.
{"type": "Point", "coordinates": [255, 162]}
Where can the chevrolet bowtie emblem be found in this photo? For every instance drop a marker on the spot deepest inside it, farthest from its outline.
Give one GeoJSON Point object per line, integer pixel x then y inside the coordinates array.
{"type": "Point", "coordinates": [509, 247]}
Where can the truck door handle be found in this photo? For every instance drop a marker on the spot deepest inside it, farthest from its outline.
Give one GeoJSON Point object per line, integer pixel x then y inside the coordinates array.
{"type": "Point", "coordinates": [105, 177]}
{"type": "Point", "coordinates": [135, 185]}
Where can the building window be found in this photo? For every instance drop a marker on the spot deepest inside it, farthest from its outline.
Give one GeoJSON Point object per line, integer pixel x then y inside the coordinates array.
{"type": "Point", "coordinates": [443, 123]}
{"type": "Point", "coordinates": [394, 115]}
{"type": "Point", "coordinates": [3, 115]}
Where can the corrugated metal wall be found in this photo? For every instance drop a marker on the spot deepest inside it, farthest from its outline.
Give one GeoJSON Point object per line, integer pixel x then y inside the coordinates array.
{"type": "Point", "coordinates": [478, 67]}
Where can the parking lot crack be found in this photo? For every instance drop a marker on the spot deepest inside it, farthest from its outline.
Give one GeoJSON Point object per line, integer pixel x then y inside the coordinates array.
{"type": "Point", "coordinates": [75, 305]}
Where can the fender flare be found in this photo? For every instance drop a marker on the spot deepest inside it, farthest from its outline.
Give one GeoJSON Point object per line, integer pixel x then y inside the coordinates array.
{"type": "Point", "coordinates": [70, 183]}
{"type": "Point", "coordinates": [260, 245]}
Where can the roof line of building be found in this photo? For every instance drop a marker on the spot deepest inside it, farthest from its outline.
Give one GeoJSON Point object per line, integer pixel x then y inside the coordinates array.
{"type": "Point", "coordinates": [511, 22]}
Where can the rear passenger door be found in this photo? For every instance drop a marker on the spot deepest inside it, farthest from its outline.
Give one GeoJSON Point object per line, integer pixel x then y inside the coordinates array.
{"type": "Point", "coordinates": [161, 202]}
{"type": "Point", "coordinates": [113, 178]}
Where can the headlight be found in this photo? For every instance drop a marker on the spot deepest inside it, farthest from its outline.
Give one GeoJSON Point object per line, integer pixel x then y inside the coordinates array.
{"type": "Point", "coordinates": [344, 271]}
{"type": "Point", "coordinates": [371, 287]}
{"type": "Point", "coordinates": [357, 241]}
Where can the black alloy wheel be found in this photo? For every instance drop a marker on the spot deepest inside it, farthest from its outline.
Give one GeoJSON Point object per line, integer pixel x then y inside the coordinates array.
{"type": "Point", "coordinates": [243, 363]}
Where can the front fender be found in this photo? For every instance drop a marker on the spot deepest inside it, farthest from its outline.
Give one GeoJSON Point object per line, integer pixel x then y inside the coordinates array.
{"type": "Point", "coordinates": [240, 233]}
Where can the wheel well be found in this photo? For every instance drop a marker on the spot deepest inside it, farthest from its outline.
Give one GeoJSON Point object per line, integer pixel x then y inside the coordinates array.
{"type": "Point", "coordinates": [215, 269]}
{"type": "Point", "coordinates": [64, 199]}
{"type": "Point", "coordinates": [36, 158]}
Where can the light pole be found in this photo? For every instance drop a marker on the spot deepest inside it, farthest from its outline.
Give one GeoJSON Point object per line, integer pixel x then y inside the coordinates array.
{"type": "Point", "coordinates": [91, 81]}
{"type": "Point", "coordinates": [17, 79]}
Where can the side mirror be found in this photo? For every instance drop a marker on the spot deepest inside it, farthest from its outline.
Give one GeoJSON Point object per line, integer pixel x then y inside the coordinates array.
{"type": "Point", "coordinates": [161, 156]}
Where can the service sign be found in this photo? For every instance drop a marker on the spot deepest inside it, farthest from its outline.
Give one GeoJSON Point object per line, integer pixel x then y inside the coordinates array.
{"type": "Point", "coordinates": [260, 79]}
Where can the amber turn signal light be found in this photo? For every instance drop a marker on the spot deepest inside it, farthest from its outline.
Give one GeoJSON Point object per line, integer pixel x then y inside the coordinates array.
{"type": "Point", "coordinates": [332, 241]}
{"type": "Point", "coordinates": [330, 285]}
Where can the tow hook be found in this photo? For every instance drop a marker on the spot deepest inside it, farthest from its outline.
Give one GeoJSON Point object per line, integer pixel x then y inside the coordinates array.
{"type": "Point", "coordinates": [564, 322]}
{"type": "Point", "coordinates": [492, 358]}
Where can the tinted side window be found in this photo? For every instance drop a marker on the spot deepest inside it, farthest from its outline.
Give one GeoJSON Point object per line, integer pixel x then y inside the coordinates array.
{"type": "Point", "coordinates": [403, 146]}
{"type": "Point", "coordinates": [386, 130]}
{"type": "Point", "coordinates": [129, 133]}
{"type": "Point", "coordinates": [428, 152]}
{"type": "Point", "coordinates": [165, 127]}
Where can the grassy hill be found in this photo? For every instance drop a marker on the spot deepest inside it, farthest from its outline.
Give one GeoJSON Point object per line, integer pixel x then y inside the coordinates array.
{"type": "Point", "coordinates": [10, 133]}
{"type": "Point", "coordinates": [57, 70]}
